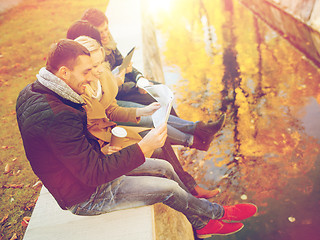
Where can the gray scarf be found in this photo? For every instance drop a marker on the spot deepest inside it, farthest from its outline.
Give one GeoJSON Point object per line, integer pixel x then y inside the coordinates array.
{"type": "Point", "coordinates": [58, 86]}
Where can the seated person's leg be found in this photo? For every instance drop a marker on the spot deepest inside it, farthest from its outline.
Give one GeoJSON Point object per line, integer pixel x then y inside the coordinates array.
{"type": "Point", "coordinates": [157, 168]}
{"type": "Point", "coordinates": [182, 124]}
{"type": "Point", "coordinates": [135, 191]}
{"type": "Point", "coordinates": [197, 135]}
{"type": "Point", "coordinates": [167, 153]}
{"type": "Point", "coordinates": [175, 136]}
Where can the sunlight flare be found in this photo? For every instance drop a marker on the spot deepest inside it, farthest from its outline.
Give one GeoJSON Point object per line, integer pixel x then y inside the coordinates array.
{"type": "Point", "coordinates": [156, 5]}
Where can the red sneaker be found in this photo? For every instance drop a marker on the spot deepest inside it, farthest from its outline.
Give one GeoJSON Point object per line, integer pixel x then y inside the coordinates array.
{"type": "Point", "coordinates": [239, 212]}
{"type": "Point", "coordinates": [217, 227]}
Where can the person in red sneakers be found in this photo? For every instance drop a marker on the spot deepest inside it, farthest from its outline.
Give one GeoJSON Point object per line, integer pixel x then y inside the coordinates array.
{"type": "Point", "coordinates": [224, 226]}
{"type": "Point", "coordinates": [85, 181]}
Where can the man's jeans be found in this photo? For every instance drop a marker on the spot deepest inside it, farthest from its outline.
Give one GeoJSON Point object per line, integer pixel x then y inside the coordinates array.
{"type": "Point", "coordinates": [180, 131]}
{"type": "Point", "coordinates": [153, 182]}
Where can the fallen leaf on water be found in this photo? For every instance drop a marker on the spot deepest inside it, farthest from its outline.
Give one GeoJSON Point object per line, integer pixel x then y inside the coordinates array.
{"type": "Point", "coordinates": [5, 218]}
{"type": "Point", "coordinates": [29, 206]}
{"type": "Point", "coordinates": [25, 221]}
{"type": "Point", "coordinates": [14, 237]}
{"type": "Point", "coordinates": [7, 168]}
{"type": "Point", "coordinates": [37, 184]}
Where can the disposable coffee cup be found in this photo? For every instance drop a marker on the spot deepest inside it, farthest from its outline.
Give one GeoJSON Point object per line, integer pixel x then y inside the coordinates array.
{"type": "Point", "coordinates": [118, 133]}
{"type": "Point", "coordinates": [142, 83]}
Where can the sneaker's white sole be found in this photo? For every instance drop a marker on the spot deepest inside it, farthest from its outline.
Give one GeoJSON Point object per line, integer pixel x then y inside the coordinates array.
{"type": "Point", "coordinates": [210, 235]}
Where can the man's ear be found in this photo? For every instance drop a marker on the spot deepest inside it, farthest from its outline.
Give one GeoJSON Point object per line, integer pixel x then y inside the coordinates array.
{"type": "Point", "coordinates": [64, 73]}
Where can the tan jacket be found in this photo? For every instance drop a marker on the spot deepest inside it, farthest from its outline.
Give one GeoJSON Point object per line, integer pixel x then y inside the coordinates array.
{"type": "Point", "coordinates": [100, 114]}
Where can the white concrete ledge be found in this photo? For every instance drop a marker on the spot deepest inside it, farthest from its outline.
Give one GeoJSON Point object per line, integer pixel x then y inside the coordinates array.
{"type": "Point", "coordinates": [50, 222]}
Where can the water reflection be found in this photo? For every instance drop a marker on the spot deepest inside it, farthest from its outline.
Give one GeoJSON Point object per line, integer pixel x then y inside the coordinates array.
{"type": "Point", "coordinates": [268, 153]}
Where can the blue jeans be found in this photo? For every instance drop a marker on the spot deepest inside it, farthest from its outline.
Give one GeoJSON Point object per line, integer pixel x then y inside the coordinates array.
{"type": "Point", "coordinates": [153, 182]}
{"type": "Point", "coordinates": [180, 131]}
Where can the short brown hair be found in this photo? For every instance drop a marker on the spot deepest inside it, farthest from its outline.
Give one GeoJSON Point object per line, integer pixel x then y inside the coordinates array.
{"type": "Point", "coordinates": [64, 53]}
{"type": "Point", "coordinates": [94, 16]}
{"type": "Point", "coordinates": [83, 28]}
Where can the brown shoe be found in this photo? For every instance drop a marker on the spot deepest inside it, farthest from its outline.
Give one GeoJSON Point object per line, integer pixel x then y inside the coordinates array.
{"type": "Point", "coordinates": [204, 193]}
{"type": "Point", "coordinates": [200, 144]}
{"type": "Point", "coordinates": [204, 133]}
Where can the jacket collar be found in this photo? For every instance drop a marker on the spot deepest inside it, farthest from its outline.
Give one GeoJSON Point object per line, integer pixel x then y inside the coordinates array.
{"type": "Point", "coordinates": [39, 88]}
{"type": "Point", "coordinates": [57, 85]}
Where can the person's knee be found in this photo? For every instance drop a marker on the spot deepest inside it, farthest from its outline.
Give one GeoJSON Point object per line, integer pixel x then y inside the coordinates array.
{"type": "Point", "coordinates": [165, 168]}
{"type": "Point", "coordinates": [169, 187]}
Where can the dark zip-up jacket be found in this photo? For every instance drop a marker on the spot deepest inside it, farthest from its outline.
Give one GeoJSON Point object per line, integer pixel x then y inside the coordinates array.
{"type": "Point", "coordinates": [61, 151]}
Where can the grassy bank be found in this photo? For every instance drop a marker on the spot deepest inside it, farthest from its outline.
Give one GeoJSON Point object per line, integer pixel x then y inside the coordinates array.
{"type": "Point", "coordinates": [26, 32]}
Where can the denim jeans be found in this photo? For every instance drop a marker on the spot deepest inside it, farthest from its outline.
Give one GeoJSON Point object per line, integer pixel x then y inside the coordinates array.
{"type": "Point", "coordinates": [166, 153]}
{"type": "Point", "coordinates": [180, 131]}
{"type": "Point", "coordinates": [153, 182]}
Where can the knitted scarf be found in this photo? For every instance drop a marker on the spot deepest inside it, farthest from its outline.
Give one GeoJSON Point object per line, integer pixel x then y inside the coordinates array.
{"type": "Point", "coordinates": [58, 86]}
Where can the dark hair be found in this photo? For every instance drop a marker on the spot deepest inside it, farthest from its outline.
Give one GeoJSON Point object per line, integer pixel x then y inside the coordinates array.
{"type": "Point", "coordinates": [83, 28]}
{"type": "Point", "coordinates": [64, 53]}
{"type": "Point", "coordinates": [94, 16]}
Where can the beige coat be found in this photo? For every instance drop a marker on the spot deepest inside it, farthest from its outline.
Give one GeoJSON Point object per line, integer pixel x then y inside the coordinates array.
{"type": "Point", "coordinates": [100, 114]}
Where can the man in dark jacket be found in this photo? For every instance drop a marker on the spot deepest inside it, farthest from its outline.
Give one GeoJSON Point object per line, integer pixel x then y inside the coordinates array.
{"type": "Point", "coordinates": [68, 160]}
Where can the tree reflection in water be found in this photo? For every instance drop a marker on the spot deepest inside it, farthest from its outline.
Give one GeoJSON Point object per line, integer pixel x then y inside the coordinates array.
{"type": "Point", "coordinates": [229, 61]}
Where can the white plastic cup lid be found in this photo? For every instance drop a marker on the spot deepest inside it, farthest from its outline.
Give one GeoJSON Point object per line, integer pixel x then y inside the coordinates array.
{"type": "Point", "coordinates": [142, 82]}
{"type": "Point", "coordinates": [119, 132]}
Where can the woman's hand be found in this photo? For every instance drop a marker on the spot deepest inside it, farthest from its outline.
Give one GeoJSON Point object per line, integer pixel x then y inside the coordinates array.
{"type": "Point", "coordinates": [107, 149]}
{"type": "Point", "coordinates": [148, 110]}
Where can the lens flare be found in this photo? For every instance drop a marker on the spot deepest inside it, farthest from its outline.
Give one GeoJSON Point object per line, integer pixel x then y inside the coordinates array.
{"type": "Point", "coordinates": [156, 5]}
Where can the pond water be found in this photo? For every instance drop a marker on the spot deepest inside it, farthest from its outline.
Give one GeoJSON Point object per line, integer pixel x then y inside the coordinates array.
{"type": "Point", "coordinates": [220, 58]}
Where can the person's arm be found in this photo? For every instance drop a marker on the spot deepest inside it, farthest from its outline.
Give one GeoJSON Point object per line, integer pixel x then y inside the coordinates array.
{"type": "Point", "coordinates": [154, 139]}
{"type": "Point", "coordinates": [70, 145]}
{"type": "Point", "coordinates": [121, 114]}
{"type": "Point", "coordinates": [125, 88]}
{"type": "Point", "coordinates": [134, 75]}
{"type": "Point", "coordinates": [124, 114]}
